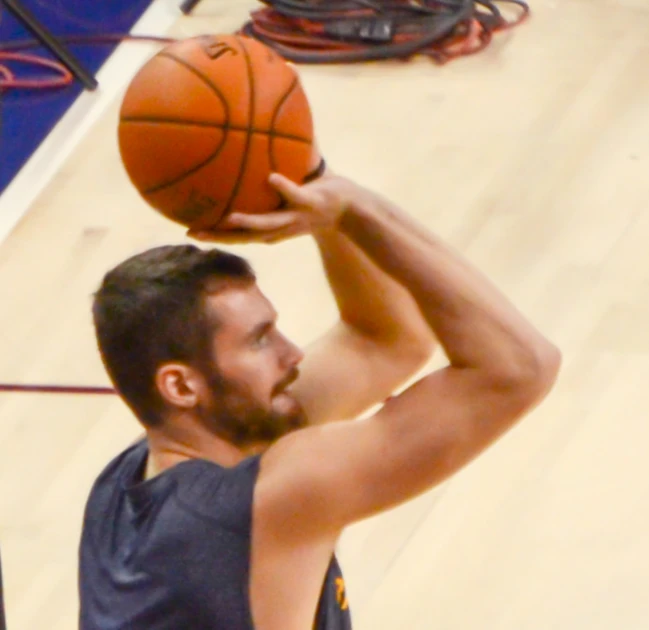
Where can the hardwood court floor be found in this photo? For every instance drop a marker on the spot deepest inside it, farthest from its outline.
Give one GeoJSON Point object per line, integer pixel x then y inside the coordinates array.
{"type": "Point", "coordinates": [532, 159]}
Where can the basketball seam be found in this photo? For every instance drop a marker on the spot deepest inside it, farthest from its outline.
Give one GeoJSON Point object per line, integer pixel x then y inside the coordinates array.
{"type": "Point", "coordinates": [200, 75]}
{"type": "Point", "coordinates": [272, 134]}
{"type": "Point", "coordinates": [226, 127]}
{"type": "Point", "coordinates": [211, 157]}
{"type": "Point", "coordinates": [251, 115]}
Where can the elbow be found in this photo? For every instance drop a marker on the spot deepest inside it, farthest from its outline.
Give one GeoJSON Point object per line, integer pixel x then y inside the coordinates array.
{"type": "Point", "coordinates": [536, 374]}
{"type": "Point", "coordinates": [549, 366]}
{"type": "Point", "coordinates": [551, 359]}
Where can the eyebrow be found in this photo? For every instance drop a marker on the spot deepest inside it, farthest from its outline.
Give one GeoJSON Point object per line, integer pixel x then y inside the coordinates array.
{"type": "Point", "coordinates": [260, 328]}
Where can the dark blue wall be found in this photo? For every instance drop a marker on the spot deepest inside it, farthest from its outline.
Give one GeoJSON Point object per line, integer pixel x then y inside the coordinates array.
{"type": "Point", "coordinates": [27, 116]}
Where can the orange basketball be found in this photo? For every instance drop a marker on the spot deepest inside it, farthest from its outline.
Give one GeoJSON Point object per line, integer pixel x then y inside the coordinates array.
{"type": "Point", "coordinates": [204, 123]}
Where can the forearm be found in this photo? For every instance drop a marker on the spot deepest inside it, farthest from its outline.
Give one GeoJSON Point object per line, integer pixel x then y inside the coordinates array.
{"type": "Point", "coordinates": [368, 299]}
{"type": "Point", "coordinates": [473, 321]}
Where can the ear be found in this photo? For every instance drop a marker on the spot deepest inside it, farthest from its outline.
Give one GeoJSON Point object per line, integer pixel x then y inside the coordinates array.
{"type": "Point", "coordinates": [179, 384]}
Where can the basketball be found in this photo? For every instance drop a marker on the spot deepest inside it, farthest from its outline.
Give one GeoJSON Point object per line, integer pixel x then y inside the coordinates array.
{"type": "Point", "coordinates": [206, 120]}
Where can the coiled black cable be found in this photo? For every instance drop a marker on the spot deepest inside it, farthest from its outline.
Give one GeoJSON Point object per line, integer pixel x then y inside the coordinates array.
{"type": "Point", "coordinates": [347, 31]}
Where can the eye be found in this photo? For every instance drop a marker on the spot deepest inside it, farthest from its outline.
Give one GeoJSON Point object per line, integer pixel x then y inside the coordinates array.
{"type": "Point", "coordinates": [263, 336]}
{"type": "Point", "coordinates": [263, 339]}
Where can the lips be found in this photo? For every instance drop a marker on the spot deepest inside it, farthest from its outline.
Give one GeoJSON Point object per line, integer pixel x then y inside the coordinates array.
{"type": "Point", "coordinates": [287, 382]}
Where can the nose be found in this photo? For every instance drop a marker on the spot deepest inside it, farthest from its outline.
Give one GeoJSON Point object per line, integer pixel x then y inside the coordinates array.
{"type": "Point", "coordinates": [292, 354]}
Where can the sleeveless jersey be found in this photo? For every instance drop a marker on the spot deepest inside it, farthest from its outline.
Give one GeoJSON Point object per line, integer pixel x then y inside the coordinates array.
{"type": "Point", "coordinates": [174, 551]}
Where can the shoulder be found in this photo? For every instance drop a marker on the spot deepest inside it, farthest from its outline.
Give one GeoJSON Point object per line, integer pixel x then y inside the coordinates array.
{"type": "Point", "coordinates": [193, 496]}
{"type": "Point", "coordinates": [212, 492]}
{"type": "Point", "coordinates": [117, 472]}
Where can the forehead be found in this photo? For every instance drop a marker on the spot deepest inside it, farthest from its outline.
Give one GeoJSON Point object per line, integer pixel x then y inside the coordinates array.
{"type": "Point", "coordinates": [239, 309]}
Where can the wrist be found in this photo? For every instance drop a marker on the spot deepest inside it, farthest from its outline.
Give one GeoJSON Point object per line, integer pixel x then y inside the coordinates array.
{"type": "Point", "coordinates": [324, 233]}
{"type": "Point", "coordinates": [359, 208]}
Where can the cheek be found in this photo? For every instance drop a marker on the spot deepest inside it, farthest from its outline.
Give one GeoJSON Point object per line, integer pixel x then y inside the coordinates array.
{"type": "Point", "coordinates": [254, 373]}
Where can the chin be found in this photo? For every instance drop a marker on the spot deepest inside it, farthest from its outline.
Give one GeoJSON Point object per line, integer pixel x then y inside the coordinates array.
{"type": "Point", "coordinates": [284, 404]}
{"type": "Point", "coordinates": [290, 410]}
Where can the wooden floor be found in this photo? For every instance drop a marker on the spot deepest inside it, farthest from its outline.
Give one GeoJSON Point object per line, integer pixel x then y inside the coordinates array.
{"type": "Point", "coordinates": [533, 159]}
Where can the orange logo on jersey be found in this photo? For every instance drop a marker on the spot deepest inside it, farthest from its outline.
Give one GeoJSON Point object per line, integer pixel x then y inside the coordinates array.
{"type": "Point", "coordinates": [340, 594]}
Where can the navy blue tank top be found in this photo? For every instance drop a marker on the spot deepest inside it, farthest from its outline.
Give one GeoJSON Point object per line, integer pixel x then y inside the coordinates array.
{"type": "Point", "coordinates": [173, 552]}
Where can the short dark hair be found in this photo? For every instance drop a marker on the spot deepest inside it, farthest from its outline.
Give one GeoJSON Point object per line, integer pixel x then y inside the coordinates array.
{"type": "Point", "coordinates": [150, 310]}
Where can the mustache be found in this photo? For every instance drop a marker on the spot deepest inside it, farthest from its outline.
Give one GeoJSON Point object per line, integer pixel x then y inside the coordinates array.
{"type": "Point", "coordinates": [291, 377]}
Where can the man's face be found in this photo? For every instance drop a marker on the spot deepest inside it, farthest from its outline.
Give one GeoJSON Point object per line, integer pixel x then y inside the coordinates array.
{"type": "Point", "coordinates": [253, 367]}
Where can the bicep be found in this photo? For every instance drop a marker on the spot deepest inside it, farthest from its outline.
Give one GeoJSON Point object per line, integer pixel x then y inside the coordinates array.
{"type": "Point", "coordinates": [341, 473]}
{"type": "Point", "coordinates": [345, 373]}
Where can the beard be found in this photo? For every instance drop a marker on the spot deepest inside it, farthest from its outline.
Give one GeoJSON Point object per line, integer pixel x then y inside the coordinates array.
{"type": "Point", "coordinates": [236, 416]}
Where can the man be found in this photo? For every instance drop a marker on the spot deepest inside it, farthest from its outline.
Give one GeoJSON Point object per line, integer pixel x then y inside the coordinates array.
{"type": "Point", "coordinates": [227, 515]}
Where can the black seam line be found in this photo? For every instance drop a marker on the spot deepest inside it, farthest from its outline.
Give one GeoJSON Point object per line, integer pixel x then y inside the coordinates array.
{"type": "Point", "coordinates": [225, 127]}
{"type": "Point", "coordinates": [274, 120]}
{"type": "Point", "coordinates": [201, 76]}
{"type": "Point", "coordinates": [251, 115]}
{"type": "Point", "coordinates": [212, 156]}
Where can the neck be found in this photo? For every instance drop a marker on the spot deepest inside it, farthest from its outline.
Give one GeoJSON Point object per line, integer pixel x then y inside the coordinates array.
{"type": "Point", "coordinates": [173, 444]}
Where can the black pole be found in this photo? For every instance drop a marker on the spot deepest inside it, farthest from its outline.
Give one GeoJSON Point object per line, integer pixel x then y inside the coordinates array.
{"type": "Point", "coordinates": [188, 6]}
{"type": "Point", "coordinates": [52, 43]}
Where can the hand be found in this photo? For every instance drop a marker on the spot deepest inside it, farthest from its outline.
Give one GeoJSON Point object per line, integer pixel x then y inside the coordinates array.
{"type": "Point", "coordinates": [308, 208]}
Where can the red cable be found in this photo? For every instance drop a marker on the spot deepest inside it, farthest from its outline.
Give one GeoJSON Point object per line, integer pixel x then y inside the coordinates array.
{"type": "Point", "coordinates": [10, 81]}
{"type": "Point", "coordinates": [6, 73]}
{"type": "Point", "coordinates": [295, 27]}
{"type": "Point", "coordinates": [291, 34]}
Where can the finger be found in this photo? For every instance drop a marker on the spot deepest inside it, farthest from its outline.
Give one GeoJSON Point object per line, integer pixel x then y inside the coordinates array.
{"type": "Point", "coordinates": [227, 237]}
{"type": "Point", "coordinates": [253, 229]}
{"type": "Point", "coordinates": [237, 237]}
{"type": "Point", "coordinates": [260, 222]}
{"type": "Point", "coordinates": [240, 227]}
{"type": "Point", "coordinates": [283, 234]}
{"type": "Point", "coordinates": [289, 190]}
